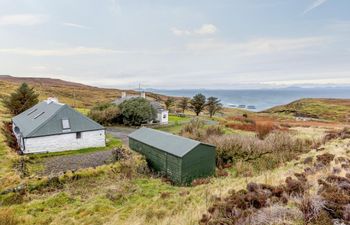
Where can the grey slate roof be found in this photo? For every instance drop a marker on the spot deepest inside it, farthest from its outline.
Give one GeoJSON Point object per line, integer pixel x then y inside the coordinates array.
{"type": "Point", "coordinates": [173, 144]}
{"type": "Point", "coordinates": [45, 118]}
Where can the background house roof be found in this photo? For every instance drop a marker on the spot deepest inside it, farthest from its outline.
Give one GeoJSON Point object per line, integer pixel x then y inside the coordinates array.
{"type": "Point", "coordinates": [45, 118]}
{"type": "Point", "coordinates": [173, 144]}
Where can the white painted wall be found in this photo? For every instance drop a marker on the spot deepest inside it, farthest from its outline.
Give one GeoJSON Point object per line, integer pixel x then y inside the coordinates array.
{"type": "Point", "coordinates": [163, 117]}
{"type": "Point", "coordinates": [63, 142]}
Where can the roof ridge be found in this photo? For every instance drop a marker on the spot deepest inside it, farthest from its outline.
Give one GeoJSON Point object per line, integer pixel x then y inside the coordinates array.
{"type": "Point", "coordinates": [170, 134]}
{"type": "Point", "coordinates": [44, 122]}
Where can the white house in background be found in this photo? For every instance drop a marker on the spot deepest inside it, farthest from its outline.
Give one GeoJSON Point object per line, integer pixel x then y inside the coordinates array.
{"type": "Point", "coordinates": [162, 114]}
{"type": "Point", "coordinates": [51, 126]}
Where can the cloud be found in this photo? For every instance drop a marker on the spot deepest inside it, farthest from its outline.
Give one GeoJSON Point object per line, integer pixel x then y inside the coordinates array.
{"type": "Point", "coordinates": [115, 7]}
{"type": "Point", "coordinates": [75, 25]}
{"type": "Point", "coordinates": [22, 19]}
{"type": "Point", "coordinates": [258, 46]}
{"type": "Point", "coordinates": [314, 5]}
{"type": "Point", "coordinates": [60, 52]}
{"type": "Point", "coordinates": [179, 32]}
{"type": "Point", "coordinates": [205, 29]}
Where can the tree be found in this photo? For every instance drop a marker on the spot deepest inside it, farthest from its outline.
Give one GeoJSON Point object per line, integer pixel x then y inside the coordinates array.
{"type": "Point", "coordinates": [137, 111]}
{"type": "Point", "coordinates": [105, 114]}
{"type": "Point", "coordinates": [183, 104]}
{"type": "Point", "coordinates": [213, 105]}
{"type": "Point", "coordinates": [169, 103]}
{"type": "Point", "coordinates": [20, 100]}
{"type": "Point", "coordinates": [197, 103]}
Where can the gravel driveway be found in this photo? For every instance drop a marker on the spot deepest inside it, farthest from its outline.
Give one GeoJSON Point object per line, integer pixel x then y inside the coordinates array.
{"type": "Point", "coordinates": [121, 133]}
{"type": "Point", "coordinates": [58, 164]}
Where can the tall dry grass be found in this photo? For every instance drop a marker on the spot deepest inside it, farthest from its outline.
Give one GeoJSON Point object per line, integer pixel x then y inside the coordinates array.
{"type": "Point", "coordinates": [276, 148]}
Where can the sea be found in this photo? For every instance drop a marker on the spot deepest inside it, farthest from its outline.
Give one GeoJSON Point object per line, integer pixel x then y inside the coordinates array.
{"type": "Point", "coordinates": [261, 99]}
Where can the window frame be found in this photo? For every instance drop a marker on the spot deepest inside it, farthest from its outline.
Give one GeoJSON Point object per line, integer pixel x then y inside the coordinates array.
{"type": "Point", "coordinates": [63, 124]}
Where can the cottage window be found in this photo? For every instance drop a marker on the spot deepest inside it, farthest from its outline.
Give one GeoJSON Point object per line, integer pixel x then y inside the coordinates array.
{"type": "Point", "coordinates": [65, 124]}
{"type": "Point", "coordinates": [164, 116]}
{"type": "Point", "coordinates": [39, 115]}
{"type": "Point", "coordinates": [78, 135]}
{"type": "Point", "coordinates": [32, 112]}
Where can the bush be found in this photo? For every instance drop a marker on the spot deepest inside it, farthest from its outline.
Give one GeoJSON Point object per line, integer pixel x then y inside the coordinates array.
{"type": "Point", "coordinates": [106, 114]}
{"type": "Point", "coordinates": [277, 147]}
{"type": "Point", "coordinates": [137, 111]}
{"type": "Point", "coordinates": [21, 100]}
{"type": "Point", "coordinates": [10, 138]}
{"type": "Point", "coordinates": [263, 129]}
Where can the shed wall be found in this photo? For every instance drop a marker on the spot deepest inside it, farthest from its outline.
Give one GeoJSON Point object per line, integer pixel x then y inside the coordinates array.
{"type": "Point", "coordinates": [200, 162]}
{"type": "Point", "coordinates": [63, 142]}
{"type": "Point", "coordinates": [161, 161]}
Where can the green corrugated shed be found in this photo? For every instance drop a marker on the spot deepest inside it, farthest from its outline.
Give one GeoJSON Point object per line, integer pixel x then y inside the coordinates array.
{"type": "Point", "coordinates": [181, 159]}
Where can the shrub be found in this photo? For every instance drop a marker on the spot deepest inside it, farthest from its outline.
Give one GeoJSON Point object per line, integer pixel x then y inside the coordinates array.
{"type": "Point", "coordinates": [263, 129]}
{"type": "Point", "coordinates": [311, 207]}
{"type": "Point", "coordinates": [137, 111]}
{"type": "Point", "coordinates": [21, 100]}
{"type": "Point", "coordinates": [105, 114]}
{"type": "Point", "coordinates": [10, 138]}
{"type": "Point", "coordinates": [277, 147]}
{"type": "Point", "coordinates": [214, 131]}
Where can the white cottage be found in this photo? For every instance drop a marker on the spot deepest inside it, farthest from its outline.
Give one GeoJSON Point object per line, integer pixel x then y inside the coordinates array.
{"type": "Point", "coordinates": [51, 126]}
{"type": "Point", "coordinates": [162, 114]}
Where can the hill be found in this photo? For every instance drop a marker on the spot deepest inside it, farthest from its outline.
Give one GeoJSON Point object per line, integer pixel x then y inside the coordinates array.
{"type": "Point", "coordinates": [74, 94]}
{"type": "Point", "coordinates": [316, 108]}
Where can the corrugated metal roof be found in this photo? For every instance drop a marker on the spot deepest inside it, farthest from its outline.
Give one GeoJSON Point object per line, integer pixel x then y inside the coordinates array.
{"type": "Point", "coordinates": [173, 144]}
{"type": "Point", "coordinates": [46, 117]}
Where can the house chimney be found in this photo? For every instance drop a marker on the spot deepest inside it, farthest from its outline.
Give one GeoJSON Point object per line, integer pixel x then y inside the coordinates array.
{"type": "Point", "coordinates": [123, 94]}
{"type": "Point", "coordinates": [143, 94]}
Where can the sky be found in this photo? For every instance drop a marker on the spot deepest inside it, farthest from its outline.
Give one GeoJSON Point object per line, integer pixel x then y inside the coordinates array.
{"type": "Point", "coordinates": [182, 44]}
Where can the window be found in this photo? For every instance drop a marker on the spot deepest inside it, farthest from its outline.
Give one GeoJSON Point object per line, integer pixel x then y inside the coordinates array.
{"type": "Point", "coordinates": [164, 116]}
{"type": "Point", "coordinates": [39, 115]}
{"type": "Point", "coordinates": [31, 112]}
{"type": "Point", "coordinates": [65, 124]}
{"type": "Point", "coordinates": [78, 135]}
{"type": "Point", "coordinates": [17, 130]}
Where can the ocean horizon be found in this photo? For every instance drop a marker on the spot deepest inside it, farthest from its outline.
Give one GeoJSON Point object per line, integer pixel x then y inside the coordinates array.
{"type": "Point", "coordinates": [260, 99]}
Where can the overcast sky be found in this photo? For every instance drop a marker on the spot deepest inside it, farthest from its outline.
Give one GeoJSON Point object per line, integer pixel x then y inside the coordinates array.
{"type": "Point", "coordinates": [178, 44]}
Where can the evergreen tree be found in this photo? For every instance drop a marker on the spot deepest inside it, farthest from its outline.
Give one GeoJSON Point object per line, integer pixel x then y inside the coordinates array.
{"type": "Point", "coordinates": [197, 103]}
{"type": "Point", "coordinates": [169, 103]}
{"type": "Point", "coordinates": [213, 106]}
{"type": "Point", "coordinates": [137, 111]}
{"type": "Point", "coordinates": [183, 104]}
{"type": "Point", "coordinates": [20, 100]}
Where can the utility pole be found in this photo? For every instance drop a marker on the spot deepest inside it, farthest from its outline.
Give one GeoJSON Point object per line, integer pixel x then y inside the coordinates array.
{"type": "Point", "coordinates": [73, 98]}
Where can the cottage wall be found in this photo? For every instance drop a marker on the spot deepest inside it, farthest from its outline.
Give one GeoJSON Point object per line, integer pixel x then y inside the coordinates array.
{"type": "Point", "coordinates": [63, 142]}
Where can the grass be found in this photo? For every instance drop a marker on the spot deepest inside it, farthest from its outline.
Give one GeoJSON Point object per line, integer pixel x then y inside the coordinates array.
{"type": "Point", "coordinates": [141, 200]}
{"type": "Point", "coordinates": [178, 119]}
{"type": "Point", "coordinates": [324, 109]}
{"type": "Point", "coordinates": [107, 198]}
{"type": "Point", "coordinates": [8, 158]}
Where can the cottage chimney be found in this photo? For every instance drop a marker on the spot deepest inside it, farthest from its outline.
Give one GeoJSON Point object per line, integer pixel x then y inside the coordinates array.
{"type": "Point", "coordinates": [143, 94]}
{"type": "Point", "coordinates": [123, 94]}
